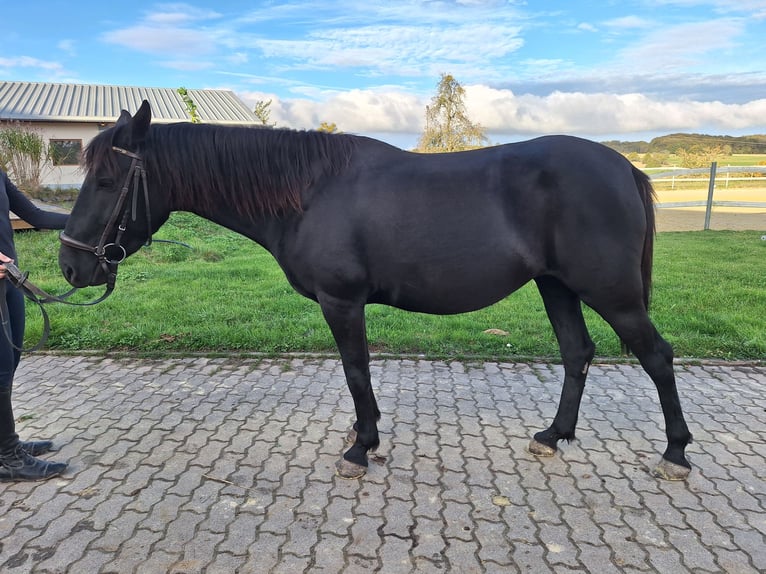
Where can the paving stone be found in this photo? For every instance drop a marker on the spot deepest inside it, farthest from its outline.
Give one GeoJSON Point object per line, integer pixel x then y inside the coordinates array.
{"type": "Point", "coordinates": [191, 465]}
{"type": "Point", "coordinates": [91, 561]}
{"type": "Point", "coordinates": [65, 551]}
{"type": "Point", "coordinates": [225, 563]}
{"type": "Point", "coordinates": [137, 550]}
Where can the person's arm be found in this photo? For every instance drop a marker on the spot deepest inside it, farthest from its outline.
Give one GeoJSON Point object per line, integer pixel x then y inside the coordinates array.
{"type": "Point", "coordinates": [29, 212]}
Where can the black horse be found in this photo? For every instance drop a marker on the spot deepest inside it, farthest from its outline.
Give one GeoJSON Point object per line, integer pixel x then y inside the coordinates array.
{"type": "Point", "coordinates": [352, 221]}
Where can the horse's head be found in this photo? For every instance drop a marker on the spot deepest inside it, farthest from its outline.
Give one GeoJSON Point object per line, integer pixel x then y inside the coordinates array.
{"type": "Point", "coordinates": [112, 217]}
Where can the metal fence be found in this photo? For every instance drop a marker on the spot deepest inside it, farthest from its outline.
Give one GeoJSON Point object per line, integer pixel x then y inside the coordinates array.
{"type": "Point", "coordinates": [714, 177]}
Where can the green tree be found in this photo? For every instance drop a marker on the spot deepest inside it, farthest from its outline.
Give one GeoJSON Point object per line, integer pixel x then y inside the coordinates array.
{"type": "Point", "coordinates": [655, 159]}
{"type": "Point", "coordinates": [700, 155]}
{"type": "Point", "coordinates": [191, 107]}
{"type": "Point", "coordinates": [448, 127]}
{"type": "Point", "coordinates": [262, 112]}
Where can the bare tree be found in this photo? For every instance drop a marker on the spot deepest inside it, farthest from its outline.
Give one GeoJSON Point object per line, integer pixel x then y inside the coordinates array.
{"type": "Point", "coordinates": [448, 127]}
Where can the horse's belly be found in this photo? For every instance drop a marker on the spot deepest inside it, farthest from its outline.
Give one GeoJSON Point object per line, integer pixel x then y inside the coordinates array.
{"type": "Point", "coordinates": [449, 291]}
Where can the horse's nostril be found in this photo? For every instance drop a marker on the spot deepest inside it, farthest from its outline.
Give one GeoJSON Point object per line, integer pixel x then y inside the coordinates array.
{"type": "Point", "coordinates": [68, 272]}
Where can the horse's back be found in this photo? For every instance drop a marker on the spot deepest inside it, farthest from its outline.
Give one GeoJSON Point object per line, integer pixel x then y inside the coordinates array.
{"type": "Point", "coordinates": [526, 199]}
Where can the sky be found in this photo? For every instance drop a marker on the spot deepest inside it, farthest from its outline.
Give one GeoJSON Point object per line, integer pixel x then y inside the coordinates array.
{"type": "Point", "coordinates": [627, 69]}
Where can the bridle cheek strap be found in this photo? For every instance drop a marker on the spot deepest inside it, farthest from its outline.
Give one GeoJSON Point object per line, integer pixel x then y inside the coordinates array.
{"type": "Point", "coordinates": [137, 176]}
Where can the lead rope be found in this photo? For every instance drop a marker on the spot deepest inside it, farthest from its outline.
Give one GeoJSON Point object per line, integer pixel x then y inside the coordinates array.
{"type": "Point", "coordinates": [5, 319]}
{"type": "Point", "coordinates": [20, 280]}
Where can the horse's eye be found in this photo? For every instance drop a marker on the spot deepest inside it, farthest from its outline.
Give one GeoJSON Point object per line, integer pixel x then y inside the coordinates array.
{"type": "Point", "coordinates": [105, 183]}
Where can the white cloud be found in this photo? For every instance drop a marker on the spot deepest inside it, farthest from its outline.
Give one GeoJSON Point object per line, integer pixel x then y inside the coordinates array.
{"type": "Point", "coordinates": [161, 40]}
{"type": "Point", "coordinates": [29, 62]}
{"type": "Point", "coordinates": [355, 111]}
{"type": "Point", "coordinates": [472, 38]}
{"type": "Point", "coordinates": [402, 50]}
{"type": "Point", "coordinates": [587, 27]}
{"type": "Point", "coordinates": [705, 60]}
{"type": "Point", "coordinates": [682, 45]}
{"type": "Point", "coordinates": [504, 114]}
{"type": "Point", "coordinates": [186, 65]}
{"type": "Point", "coordinates": [748, 7]}
{"type": "Point", "coordinates": [501, 111]}
{"type": "Point", "coordinates": [171, 29]}
{"type": "Point", "coordinates": [238, 58]}
{"type": "Point", "coordinates": [627, 23]}
{"type": "Point", "coordinates": [67, 46]}
{"type": "Point", "coordinates": [179, 13]}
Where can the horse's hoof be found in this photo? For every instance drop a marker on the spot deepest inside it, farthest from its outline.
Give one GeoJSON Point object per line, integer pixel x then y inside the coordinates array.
{"type": "Point", "coordinates": [539, 449]}
{"type": "Point", "coordinates": [351, 437]}
{"type": "Point", "coordinates": [667, 470]}
{"type": "Point", "coordinates": [349, 470]}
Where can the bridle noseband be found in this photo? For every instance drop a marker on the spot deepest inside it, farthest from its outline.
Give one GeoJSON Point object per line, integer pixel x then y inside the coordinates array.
{"type": "Point", "coordinates": [111, 254]}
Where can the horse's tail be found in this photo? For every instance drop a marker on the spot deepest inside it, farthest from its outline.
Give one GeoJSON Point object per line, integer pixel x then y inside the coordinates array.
{"type": "Point", "coordinates": [646, 191]}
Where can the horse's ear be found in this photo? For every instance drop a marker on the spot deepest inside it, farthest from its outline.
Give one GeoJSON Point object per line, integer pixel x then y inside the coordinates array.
{"type": "Point", "coordinates": [132, 129]}
{"type": "Point", "coordinates": [140, 123]}
{"type": "Point", "coordinates": [124, 118]}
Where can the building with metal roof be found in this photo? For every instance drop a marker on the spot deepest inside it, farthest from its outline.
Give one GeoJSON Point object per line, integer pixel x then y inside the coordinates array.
{"type": "Point", "coordinates": [35, 101]}
{"type": "Point", "coordinates": [68, 116]}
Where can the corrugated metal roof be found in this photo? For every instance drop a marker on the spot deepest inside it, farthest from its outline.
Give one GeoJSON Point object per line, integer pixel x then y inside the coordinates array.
{"type": "Point", "coordinates": [33, 101]}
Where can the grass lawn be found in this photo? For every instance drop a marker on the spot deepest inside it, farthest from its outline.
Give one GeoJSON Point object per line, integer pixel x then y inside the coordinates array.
{"type": "Point", "coordinates": [227, 294]}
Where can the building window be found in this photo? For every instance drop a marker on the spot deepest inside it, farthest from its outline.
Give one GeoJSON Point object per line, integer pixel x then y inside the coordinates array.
{"type": "Point", "coordinates": [65, 152]}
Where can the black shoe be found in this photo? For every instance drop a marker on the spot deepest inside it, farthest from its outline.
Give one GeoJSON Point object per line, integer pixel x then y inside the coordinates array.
{"type": "Point", "coordinates": [37, 447]}
{"type": "Point", "coordinates": [19, 465]}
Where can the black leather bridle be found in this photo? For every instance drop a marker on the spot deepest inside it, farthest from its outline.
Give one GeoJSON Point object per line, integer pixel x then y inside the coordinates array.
{"type": "Point", "coordinates": [111, 254]}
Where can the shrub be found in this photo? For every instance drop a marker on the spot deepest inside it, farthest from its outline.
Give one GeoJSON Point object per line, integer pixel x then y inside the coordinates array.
{"type": "Point", "coordinates": [22, 151]}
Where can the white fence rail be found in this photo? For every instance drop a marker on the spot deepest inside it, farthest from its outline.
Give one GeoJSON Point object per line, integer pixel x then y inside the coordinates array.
{"type": "Point", "coordinates": [713, 175]}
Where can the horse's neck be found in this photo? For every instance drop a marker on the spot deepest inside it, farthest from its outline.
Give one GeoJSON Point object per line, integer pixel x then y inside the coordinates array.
{"type": "Point", "coordinates": [267, 231]}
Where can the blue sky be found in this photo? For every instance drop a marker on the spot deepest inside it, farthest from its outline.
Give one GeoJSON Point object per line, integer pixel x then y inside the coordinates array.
{"type": "Point", "coordinates": [623, 69]}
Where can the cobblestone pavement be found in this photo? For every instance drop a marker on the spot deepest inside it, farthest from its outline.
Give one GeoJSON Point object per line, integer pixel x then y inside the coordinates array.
{"type": "Point", "coordinates": [227, 465]}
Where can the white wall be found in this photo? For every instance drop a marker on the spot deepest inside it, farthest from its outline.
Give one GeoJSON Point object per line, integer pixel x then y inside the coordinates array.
{"type": "Point", "coordinates": [65, 175]}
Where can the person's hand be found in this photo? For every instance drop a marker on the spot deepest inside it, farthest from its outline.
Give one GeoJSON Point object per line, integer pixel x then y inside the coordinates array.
{"type": "Point", "coordinates": [4, 259]}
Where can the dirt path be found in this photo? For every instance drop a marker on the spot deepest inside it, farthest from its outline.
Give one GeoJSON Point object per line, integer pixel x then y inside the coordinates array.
{"type": "Point", "coordinates": [694, 220]}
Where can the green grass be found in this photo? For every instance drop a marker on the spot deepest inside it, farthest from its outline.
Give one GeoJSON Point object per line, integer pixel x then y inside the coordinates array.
{"type": "Point", "coordinates": [742, 159]}
{"type": "Point", "coordinates": [228, 294]}
{"type": "Point", "coordinates": [673, 161]}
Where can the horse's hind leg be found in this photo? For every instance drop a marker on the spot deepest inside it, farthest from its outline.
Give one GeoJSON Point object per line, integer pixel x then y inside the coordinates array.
{"type": "Point", "coordinates": [656, 357]}
{"type": "Point", "coordinates": [346, 321]}
{"type": "Point", "coordinates": [577, 350]}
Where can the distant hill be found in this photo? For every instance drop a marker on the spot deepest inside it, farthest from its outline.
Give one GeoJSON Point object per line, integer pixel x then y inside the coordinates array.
{"type": "Point", "coordinates": [674, 143]}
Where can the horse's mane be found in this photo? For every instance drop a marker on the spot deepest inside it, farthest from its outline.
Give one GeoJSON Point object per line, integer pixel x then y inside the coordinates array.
{"type": "Point", "coordinates": [254, 170]}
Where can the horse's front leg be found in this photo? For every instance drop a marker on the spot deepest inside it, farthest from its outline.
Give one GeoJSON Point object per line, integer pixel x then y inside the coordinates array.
{"type": "Point", "coordinates": [346, 321]}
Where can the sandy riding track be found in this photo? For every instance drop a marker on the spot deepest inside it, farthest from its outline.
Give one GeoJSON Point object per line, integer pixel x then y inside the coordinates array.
{"type": "Point", "coordinates": [731, 218]}
{"type": "Point", "coordinates": [694, 220]}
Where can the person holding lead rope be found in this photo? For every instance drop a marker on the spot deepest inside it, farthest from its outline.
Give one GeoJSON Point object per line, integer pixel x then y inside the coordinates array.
{"type": "Point", "coordinates": [18, 458]}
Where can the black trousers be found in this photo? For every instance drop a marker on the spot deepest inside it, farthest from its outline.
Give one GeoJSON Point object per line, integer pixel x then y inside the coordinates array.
{"type": "Point", "coordinates": [9, 360]}
{"type": "Point", "coordinates": [9, 357]}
